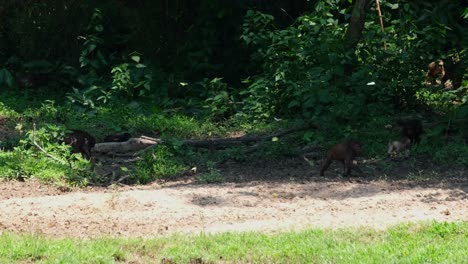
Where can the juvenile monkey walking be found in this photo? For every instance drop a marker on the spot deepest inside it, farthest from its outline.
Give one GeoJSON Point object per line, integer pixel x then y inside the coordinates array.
{"type": "Point", "coordinates": [345, 152]}
{"type": "Point", "coordinates": [398, 146]}
{"type": "Point", "coordinates": [411, 130]}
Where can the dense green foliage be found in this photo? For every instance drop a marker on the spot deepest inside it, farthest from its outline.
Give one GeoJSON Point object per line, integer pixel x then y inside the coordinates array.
{"type": "Point", "coordinates": [197, 69]}
{"type": "Point", "coordinates": [411, 243]}
{"type": "Point", "coordinates": [274, 65]}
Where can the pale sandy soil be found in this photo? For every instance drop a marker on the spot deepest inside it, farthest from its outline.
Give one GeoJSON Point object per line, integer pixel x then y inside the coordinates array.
{"type": "Point", "coordinates": [183, 206]}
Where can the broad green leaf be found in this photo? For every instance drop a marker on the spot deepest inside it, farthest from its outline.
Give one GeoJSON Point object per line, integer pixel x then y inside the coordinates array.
{"type": "Point", "coordinates": [136, 58]}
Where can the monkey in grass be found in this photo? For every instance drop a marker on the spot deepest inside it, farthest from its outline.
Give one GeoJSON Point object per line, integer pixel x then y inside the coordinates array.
{"type": "Point", "coordinates": [81, 142]}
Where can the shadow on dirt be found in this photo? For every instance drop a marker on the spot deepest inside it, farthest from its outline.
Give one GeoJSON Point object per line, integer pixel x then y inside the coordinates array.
{"type": "Point", "coordinates": [294, 178]}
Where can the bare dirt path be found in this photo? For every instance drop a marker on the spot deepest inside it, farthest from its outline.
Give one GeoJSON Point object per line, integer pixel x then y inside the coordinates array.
{"type": "Point", "coordinates": [182, 206]}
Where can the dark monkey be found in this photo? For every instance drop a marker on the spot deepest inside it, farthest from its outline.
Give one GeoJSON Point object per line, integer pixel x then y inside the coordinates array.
{"type": "Point", "coordinates": [454, 73]}
{"type": "Point", "coordinates": [32, 80]}
{"type": "Point", "coordinates": [345, 152]}
{"type": "Point", "coordinates": [81, 142]}
{"type": "Point", "coordinates": [412, 129]}
{"type": "Point", "coordinates": [399, 145]}
{"type": "Point", "coordinates": [118, 137]}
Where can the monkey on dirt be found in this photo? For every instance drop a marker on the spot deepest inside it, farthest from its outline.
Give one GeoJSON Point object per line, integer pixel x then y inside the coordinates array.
{"type": "Point", "coordinates": [118, 137]}
{"type": "Point", "coordinates": [81, 142]}
{"type": "Point", "coordinates": [345, 152]}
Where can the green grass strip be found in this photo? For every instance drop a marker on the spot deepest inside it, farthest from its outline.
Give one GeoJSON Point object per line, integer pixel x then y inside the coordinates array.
{"type": "Point", "coordinates": [407, 243]}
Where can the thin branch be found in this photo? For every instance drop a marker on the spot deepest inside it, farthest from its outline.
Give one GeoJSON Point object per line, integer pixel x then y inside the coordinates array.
{"type": "Point", "coordinates": [119, 181]}
{"type": "Point", "coordinates": [379, 13]}
{"type": "Point", "coordinates": [138, 153]}
{"type": "Point", "coordinates": [43, 150]}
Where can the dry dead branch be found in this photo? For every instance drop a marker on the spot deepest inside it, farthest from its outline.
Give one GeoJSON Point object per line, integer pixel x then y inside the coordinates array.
{"type": "Point", "coordinates": [224, 142]}
{"type": "Point", "coordinates": [137, 146]}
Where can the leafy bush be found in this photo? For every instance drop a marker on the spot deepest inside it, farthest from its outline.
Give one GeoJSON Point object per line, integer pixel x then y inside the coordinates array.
{"type": "Point", "coordinates": [220, 102]}
{"type": "Point", "coordinates": [53, 162]}
{"type": "Point", "coordinates": [128, 80]}
{"type": "Point", "coordinates": [131, 79]}
{"type": "Point", "coordinates": [305, 70]}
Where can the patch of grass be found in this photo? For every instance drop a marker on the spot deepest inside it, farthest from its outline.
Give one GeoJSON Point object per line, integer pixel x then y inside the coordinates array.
{"type": "Point", "coordinates": [23, 160]}
{"type": "Point", "coordinates": [32, 248]}
{"type": "Point", "coordinates": [161, 163]}
{"type": "Point", "coordinates": [212, 176]}
{"type": "Point", "coordinates": [28, 164]}
{"type": "Point", "coordinates": [53, 114]}
{"type": "Point", "coordinates": [406, 243]}
{"type": "Point", "coordinates": [177, 126]}
{"type": "Point", "coordinates": [454, 151]}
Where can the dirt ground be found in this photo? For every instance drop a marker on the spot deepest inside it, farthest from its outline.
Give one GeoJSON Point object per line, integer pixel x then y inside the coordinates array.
{"type": "Point", "coordinates": [270, 197]}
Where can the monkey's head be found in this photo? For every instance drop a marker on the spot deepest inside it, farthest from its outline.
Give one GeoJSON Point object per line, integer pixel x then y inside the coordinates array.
{"type": "Point", "coordinates": [126, 136]}
{"type": "Point", "coordinates": [355, 145]}
{"type": "Point", "coordinates": [436, 67]}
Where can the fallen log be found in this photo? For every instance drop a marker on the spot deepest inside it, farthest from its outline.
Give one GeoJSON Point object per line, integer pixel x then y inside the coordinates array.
{"type": "Point", "coordinates": [240, 140]}
{"type": "Point", "coordinates": [132, 145]}
{"type": "Point", "coordinates": [144, 143]}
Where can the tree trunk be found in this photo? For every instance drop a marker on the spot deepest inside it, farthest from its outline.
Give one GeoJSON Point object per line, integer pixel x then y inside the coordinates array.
{"type": "Point", "coordinates": [356, 24]}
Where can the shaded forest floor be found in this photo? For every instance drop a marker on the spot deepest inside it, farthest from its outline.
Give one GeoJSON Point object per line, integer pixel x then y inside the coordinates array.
{"type": "Point", "coordinates": [265, 196]}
